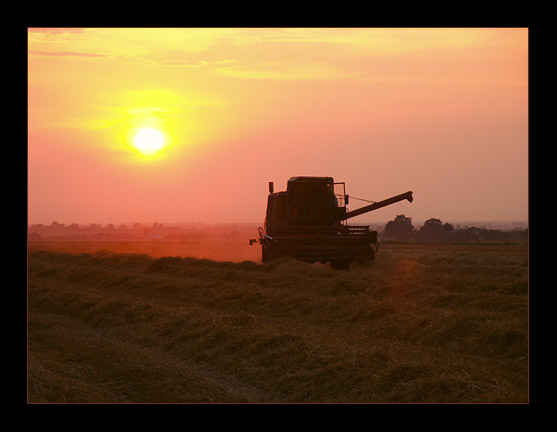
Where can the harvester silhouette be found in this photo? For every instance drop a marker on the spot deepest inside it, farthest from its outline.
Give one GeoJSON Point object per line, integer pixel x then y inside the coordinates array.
{"type": "Point", "coordinates": [308, 222]}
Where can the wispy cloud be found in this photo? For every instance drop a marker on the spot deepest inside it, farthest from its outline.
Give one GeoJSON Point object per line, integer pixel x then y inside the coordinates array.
{"type": "Point", "coordinates": [66, 54]}
{"type": "Point", "coordinates": [316, 71]}
{"type": "Point", "coordinates": [53, 34]}
{"type": "Point", "coordinates": [193, 63]}
{"type": "Point", "coordinates": [184, 63]}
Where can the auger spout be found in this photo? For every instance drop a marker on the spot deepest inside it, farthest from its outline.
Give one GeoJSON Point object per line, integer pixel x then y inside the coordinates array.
{"type": "Point", "coordinates": [377, 205]}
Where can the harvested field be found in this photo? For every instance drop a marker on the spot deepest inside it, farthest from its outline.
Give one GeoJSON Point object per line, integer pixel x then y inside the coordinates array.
{"type": "Point", "coordinates": [422, 324]}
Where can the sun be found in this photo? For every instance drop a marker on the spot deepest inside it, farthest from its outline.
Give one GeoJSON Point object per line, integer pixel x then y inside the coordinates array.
{"type": "Point", "coordinates": [148, 141]}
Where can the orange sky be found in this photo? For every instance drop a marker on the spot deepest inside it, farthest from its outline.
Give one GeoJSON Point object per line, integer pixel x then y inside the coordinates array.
{"type": "Point", "coordinates": [441, 112]}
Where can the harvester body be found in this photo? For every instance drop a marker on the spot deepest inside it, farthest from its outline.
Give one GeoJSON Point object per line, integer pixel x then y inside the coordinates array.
{"type": "Point", "coordinates": [308, 222]}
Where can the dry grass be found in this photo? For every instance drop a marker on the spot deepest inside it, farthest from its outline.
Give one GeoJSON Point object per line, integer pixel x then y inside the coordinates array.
{"type": "Point", "coordinates": [422, 324]}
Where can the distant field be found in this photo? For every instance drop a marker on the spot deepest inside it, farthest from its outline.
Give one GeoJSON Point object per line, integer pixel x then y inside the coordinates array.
{"type": "Point", "coordinates": [423, 323]}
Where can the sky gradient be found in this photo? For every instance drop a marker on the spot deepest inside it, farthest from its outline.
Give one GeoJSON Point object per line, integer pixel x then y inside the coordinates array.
{"type": "Point", "coordinates": [441, 112]}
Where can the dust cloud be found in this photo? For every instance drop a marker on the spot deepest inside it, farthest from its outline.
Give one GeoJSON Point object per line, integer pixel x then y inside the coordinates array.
{"type": "Point", "coordinates": [227, 242]}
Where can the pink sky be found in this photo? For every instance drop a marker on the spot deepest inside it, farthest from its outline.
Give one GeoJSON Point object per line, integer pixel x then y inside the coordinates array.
{"type": "Point", "coordinates": [441, 112]}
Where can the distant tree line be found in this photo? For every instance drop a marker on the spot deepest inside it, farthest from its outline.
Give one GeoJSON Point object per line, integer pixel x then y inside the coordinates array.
{"type": "Point", "coordinates": [399, 229]}
{"type": "Point", "coordinates": [135, 231]}
{"type": "Point", "coordinates": [434, 230]}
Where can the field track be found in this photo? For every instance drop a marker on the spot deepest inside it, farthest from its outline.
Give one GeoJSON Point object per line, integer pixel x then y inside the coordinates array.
{"type": "Point", "coordinates": [423, 323]}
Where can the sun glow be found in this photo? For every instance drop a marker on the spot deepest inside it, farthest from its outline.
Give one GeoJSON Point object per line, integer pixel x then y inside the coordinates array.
{"type": "Point", "coordinates": [148, 141]}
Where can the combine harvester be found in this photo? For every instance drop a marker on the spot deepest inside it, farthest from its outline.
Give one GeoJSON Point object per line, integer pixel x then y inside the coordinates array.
{"type": "Point", "coordinates": [308, 222]}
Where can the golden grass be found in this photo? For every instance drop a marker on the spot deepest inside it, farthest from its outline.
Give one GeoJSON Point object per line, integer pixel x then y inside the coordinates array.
{"type": "Point", "coordinates": [421, 324]}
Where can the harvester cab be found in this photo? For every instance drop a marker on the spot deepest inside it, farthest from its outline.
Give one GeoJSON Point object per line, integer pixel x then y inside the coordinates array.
{"type": "Point", "coordinates": [308, 222]}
